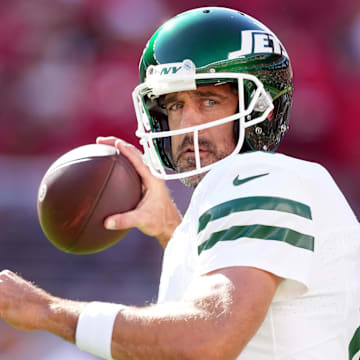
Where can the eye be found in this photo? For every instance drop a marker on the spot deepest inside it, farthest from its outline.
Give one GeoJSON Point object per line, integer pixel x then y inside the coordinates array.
{"type": "Point", "coordinates": [210, 102]}
{"type": "Point", "coordinates": [174, 106]}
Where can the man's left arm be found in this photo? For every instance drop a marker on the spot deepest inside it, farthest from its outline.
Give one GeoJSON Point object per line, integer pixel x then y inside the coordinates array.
{"type": "Point", "coordinates": [215, 320]}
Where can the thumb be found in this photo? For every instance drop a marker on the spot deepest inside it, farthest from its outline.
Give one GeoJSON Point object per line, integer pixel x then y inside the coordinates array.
{"type": "Point", "coordinates": [122, 221]}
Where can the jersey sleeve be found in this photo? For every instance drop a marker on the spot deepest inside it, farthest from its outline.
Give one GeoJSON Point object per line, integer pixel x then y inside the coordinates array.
{"type": "Point", "coordinates": [262, 220]}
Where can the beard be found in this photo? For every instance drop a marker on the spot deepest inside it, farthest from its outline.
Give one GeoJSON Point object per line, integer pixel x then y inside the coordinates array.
{"type": "Point", "coordinates": [193, 181]}
{"type": "Point", "coordinates": [187, 163]}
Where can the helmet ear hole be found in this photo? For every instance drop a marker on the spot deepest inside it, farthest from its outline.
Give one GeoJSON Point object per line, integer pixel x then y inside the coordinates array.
{"type": "Point", "coordinates": [273, 128]}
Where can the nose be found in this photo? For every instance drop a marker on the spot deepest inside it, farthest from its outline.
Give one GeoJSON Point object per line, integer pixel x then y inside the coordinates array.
{"type": "Point", "coordinates": [191, 115]}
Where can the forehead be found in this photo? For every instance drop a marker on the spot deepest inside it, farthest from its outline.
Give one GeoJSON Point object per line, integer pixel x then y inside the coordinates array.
{"type": "Point", "coordinates": [204, 90]}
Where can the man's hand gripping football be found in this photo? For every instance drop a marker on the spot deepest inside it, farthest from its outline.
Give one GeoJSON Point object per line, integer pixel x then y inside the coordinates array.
{"type": "Point", "coordinates": [156, 214]}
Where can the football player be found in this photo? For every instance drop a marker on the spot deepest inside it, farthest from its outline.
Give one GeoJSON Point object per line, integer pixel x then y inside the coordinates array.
{"type": "Point", "coordinates": [264, 264]}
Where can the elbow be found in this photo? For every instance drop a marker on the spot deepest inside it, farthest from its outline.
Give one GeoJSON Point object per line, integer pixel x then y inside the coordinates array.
{"type": "Point", "coordinates": [210, 347]}
{"type": "Point", "coordinates": [205, 351]}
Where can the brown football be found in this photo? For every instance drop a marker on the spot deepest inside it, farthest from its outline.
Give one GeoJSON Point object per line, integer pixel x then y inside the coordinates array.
{"type": "Point", "coordinates": [82, 188]}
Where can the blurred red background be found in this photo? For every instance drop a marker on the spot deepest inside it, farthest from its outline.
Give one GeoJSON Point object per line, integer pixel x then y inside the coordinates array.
{"type": "Point", "coordinates": [67, 70]}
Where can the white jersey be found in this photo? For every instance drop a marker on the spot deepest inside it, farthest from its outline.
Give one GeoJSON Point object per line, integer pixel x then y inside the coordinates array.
{"type": "Point", "coordinates": [288, 217]}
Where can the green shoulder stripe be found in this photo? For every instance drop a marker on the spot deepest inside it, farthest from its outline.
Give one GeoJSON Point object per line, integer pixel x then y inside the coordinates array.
{"type": "Point", "coordinates": [354, 345]}
{"type": "Point", "coordinates": [262, 232]}
{"type": "Point", "coordinates": [254, 203]}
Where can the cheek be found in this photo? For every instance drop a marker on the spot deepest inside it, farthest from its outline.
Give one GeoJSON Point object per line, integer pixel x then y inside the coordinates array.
{"type": "Point", "coordinates": [173, 121]}
{"type": "Point", "coordinates": [225, 136]}
{"type": "Point", "coordinates": [176, 141]}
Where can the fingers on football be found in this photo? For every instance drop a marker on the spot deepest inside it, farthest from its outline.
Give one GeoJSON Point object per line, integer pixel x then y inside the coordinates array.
{"type": "Point", "coordinates": [129, 150]}
{"type": "Point", "coordinates": [108, 140]}
{"type": "Point", "coordinates": [136, 158]}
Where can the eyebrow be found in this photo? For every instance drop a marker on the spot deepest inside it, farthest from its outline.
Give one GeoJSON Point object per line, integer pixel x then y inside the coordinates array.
{"type": "Point", "coordinates": [198, 93]}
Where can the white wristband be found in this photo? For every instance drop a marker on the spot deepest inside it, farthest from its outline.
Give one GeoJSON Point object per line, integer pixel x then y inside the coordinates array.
{"type": "Point", "coordinates": [95, 327]}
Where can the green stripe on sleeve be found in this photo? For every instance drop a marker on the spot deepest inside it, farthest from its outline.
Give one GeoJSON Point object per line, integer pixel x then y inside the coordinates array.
{"type": "Point", "coordinates": [262, 232]}
{"type": "Point", "coordinates": [354, 345]}
{"type": "Point", "coordinates": [254, 203]}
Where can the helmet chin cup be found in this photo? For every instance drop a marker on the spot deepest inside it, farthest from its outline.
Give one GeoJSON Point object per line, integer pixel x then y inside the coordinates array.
{"type": "Point", "coordinates": [176, 78]}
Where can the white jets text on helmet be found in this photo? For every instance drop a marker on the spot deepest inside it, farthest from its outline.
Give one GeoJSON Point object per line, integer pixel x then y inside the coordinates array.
{"type": "Point", "coordinates": [258, 42]}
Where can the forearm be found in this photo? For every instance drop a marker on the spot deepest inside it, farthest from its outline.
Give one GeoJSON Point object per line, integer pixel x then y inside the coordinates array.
{"type": "Point", "coordinates": [169, 331]}
{"type": "Point", "coordinates": [215, 320]}
{"type": "Point", "coordinates": [154, 332]}
{"type": "Point", "coordinates": [61, 318]}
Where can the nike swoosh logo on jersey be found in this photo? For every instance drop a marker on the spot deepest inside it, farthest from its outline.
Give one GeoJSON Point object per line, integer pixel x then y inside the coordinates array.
{"type": "Point", "coordinates": [238, 181]}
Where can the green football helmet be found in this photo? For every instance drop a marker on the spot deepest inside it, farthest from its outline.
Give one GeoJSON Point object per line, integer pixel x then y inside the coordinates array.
{"type": "Point", "coordinates": [213, 45]}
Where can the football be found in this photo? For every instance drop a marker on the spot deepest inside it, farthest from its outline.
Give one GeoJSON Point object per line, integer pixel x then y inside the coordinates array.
{"type": "Point", "coordinates": [79, 190]}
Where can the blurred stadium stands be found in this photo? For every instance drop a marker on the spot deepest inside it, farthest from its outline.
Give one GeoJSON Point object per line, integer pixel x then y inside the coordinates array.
{"type": "Point", "coordinates": [67, 69]}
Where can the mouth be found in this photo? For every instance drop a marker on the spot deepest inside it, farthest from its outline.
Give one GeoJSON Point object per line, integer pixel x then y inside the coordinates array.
{"type": "Point", "coordinates": [191, 150]}
{"type": "Point", "coordinates": [185, 156]}
{"type": "Point", "coordinates": [189, 153]}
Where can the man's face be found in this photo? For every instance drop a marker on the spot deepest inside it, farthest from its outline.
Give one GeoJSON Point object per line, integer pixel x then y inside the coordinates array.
{"type": "Point", "coordinates": [196, 107]}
